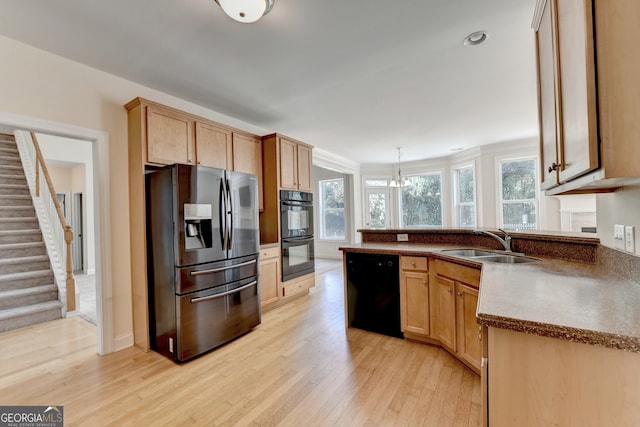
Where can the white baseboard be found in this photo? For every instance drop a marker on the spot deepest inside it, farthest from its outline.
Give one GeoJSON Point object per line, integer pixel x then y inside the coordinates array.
{"type": "Point", "coordinates": [123, 341]}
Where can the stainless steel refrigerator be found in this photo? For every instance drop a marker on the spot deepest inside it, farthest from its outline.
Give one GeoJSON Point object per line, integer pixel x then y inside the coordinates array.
{"type": "Point", "coordinates": [202, 258]}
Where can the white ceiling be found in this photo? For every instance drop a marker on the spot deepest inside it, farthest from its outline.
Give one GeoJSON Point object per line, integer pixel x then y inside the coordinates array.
{"type": "Point", "coordinates": [356, 78]}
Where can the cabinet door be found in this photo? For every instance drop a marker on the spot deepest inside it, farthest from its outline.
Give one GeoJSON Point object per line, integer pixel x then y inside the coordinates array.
{"type": "Point", "coordinates": [577, 88]}
{"type": "Point", "coordinates": [247, 158]}
{"type": "Point", "coordinates": [304, 168]}
{"type": "Point", "coordinates": [469, 333]}
{"type": "Point", "coordinates": [550, 132]}
{"type": "Point", "coordinates": [444, 308]}
{"type": "Point", "coordinates": [288, 165]}
{"type": "Point", "coordinates": [169, 137]}
{"type": "Point", "coordinates": [269, 292]}
{"type": "Point", "coordinates": [414, 297]}
{"type": "Point", "coordinates": [213, 146]}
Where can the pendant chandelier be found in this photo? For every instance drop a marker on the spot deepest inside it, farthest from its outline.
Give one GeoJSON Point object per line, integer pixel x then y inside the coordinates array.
{"type": "Point", "coordinates": [399, 180]}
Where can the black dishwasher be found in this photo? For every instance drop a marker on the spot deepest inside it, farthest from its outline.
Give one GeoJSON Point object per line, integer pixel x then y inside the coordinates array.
{"type": "Point", "coordinates": [373, 292]}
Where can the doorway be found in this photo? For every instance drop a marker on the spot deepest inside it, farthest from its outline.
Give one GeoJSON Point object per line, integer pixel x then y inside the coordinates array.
{"type": "Point", "coordinates": [99, 141]}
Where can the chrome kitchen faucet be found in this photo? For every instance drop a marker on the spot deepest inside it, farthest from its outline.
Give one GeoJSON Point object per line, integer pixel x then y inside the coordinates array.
{"type": "Point", "coordinates": [506, 242]}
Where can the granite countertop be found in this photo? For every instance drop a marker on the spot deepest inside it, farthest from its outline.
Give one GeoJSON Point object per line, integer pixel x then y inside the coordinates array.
{"type": "Point", "coordinates": [570, 300]}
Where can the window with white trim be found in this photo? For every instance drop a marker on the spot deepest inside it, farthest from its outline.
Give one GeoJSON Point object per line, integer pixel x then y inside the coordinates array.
{"type": "Point", "coordinates": [332, 219]}
{"type": "Point", "coordinates": [421, 201]}
{"type": "Point", "coordinates": [465, 196]}
{"type": "Point", "coordinates": [519, 194]}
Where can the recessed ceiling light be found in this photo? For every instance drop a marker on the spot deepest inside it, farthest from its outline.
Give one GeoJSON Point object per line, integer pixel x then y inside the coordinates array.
{"type": "Point", "coordinates": [476, 38]}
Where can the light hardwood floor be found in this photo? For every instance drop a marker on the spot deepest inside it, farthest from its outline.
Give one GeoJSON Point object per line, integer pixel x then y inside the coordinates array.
{"type": "Point", "coordinates": [299, 367]}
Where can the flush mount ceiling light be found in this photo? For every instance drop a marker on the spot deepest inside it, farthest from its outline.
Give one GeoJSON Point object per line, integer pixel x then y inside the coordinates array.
{"type": "Point", "coordinates": [246, 11]}
{"type": "Point", "coordinates": [399, 181]}
{"type": "Point", "coordinates": [474, 39]}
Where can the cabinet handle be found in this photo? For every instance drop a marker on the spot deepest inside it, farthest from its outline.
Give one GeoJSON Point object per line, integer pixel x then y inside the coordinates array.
{"type": "Point", "coordinates": [459, 293]}
{"type": "Point", "coordinates": [424, 282]}
{"type": "Point", "coordinates": [554, 166]}
{"type": "Point", "coordinates": [479, 337]}
{"type": "Point", "coordinates": [189, 161]}
{"type": "Point", "coordinates": [413, 263]}
{"type": "Point", "coordinates": [449, 290]}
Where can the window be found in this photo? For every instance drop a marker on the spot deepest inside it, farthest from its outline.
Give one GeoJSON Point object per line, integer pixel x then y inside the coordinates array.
{"type": "Point", "coordinates": [332, 221]}
{"type": "Point", "coordinates": [518, 194]}
{"type": "Point", "coordinates": [465, 193]}
{"type": "Point", "coordinates": [376, 203]}
{"type": "Point", "coordinates": [421, 202]}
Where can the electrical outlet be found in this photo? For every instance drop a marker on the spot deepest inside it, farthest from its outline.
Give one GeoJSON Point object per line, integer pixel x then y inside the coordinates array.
{"type": "Point", "coordinates": [403, 237]}
{"type": "Point", "coordinates": [629, 239]}
{"type": "Point", "coordinates": [618, 236]}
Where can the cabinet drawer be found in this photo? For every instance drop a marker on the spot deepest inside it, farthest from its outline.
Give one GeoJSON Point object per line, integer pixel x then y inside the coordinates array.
{"type": "Point", "coordinates": [461, 273]}
{"type": "Point", "coordinates": [273, 252]}
{"type": "Point", "coordinates": [414, 263]}
{"type": "Point", "coordinates": [298, 286]}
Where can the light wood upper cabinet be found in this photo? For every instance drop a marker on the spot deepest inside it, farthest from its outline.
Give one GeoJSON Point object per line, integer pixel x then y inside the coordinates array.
{"type": "Point", "coordinates": [287, 166]}
{"type": "Point", "coordinates": [169, 137]}
{"type": "Point", "coordinates": [304, 168]}
{"type": "Point", "coordinates": [414, 295]}
{"type": "Point", "coordinates": [213, 146]}
{"type": "Point", "coordinates": [587, 118]}
{"type": "Point", "coordinates": [247, 158]}
{"type": "Point", "coordinates": [295, 165]}
{"type": "Point", "coordinates": [567, 90]}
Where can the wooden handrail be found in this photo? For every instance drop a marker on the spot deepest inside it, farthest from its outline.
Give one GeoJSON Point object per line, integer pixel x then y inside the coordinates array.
{"type": "Point", "coordinates": [68, 231]}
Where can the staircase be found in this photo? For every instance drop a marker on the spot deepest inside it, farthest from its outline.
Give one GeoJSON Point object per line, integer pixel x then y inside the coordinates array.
{"type": "Point", "coordinates": [28, 293]}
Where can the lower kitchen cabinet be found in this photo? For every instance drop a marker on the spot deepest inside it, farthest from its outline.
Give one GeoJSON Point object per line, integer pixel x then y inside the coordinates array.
{"type": "Point", "coordinates": [298, 285]}
{"type": "Point", "coordinates": [444, 312]}
{"type": "Point", "coordinates": [454, 303]}
{"type": "Point", "coordinates": [543, 381]}
{"type": "Point", "coordinates": [273, 291]}
{"type": "Point", "coordinates": [269, 275]}
{"type": "Point", "coordinates": [414, 296]}
{"type": "Point", "coordinates": [469, 332]}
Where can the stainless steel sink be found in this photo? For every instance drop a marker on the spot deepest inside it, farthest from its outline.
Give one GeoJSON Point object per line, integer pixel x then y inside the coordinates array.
{"type": "Point", "coordinates": [488, 256]}
{"type": "Point", "coordinates": [467, 252]}
{"type": "Point", "coordinates": [506, 259]}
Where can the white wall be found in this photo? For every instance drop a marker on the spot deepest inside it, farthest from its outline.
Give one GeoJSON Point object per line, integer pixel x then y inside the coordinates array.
{"type": "Point", "coordinates": [621, 207]}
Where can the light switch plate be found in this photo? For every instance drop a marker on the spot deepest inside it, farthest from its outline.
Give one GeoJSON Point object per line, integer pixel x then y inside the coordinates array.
{"type": "Point", "coordinates": [629, 239]}
{"type": "Point", "coordinates": [404, 237]}
{"type": "Point", "coordinates": [618, 236]}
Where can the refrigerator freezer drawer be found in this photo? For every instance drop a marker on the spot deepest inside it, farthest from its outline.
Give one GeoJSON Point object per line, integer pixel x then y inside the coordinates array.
{"type": "Point", "coordinates": [210, 318]}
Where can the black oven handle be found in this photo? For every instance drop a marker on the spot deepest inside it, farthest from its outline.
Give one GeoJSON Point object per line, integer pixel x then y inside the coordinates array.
{"type": "Point", "coordinates": [216, 270]}
{"type": "Point", "coordinates": [224, 294]}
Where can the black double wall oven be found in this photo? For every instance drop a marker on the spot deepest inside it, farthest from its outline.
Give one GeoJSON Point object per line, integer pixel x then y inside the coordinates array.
{"type": "Point", "coordinates": [296, 233]}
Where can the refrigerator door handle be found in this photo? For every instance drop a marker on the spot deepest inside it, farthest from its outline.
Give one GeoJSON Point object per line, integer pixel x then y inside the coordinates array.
{"type": "Point", "coordinates": [216, 270]}
{"type": "Point", "coordinates": [223, 215]}
{"type": "Point", "coordinates": [230, 222]}
{"type": "Point", "coordinates": [224, 294]}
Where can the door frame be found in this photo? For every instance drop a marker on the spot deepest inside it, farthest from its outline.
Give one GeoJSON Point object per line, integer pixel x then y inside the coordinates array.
{"type": "Point", "coordinates": [365, 210]}
{"type": "Point", "coordinates": [100, 149]}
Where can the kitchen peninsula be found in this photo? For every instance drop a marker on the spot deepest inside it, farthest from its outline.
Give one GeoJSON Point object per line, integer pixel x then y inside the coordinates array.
{"type": "Point", "coordinates": [560, 335]}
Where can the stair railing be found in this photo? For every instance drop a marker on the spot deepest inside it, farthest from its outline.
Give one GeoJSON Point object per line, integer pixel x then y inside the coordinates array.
{"type": "Point", "coordinates": [62, 232]}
